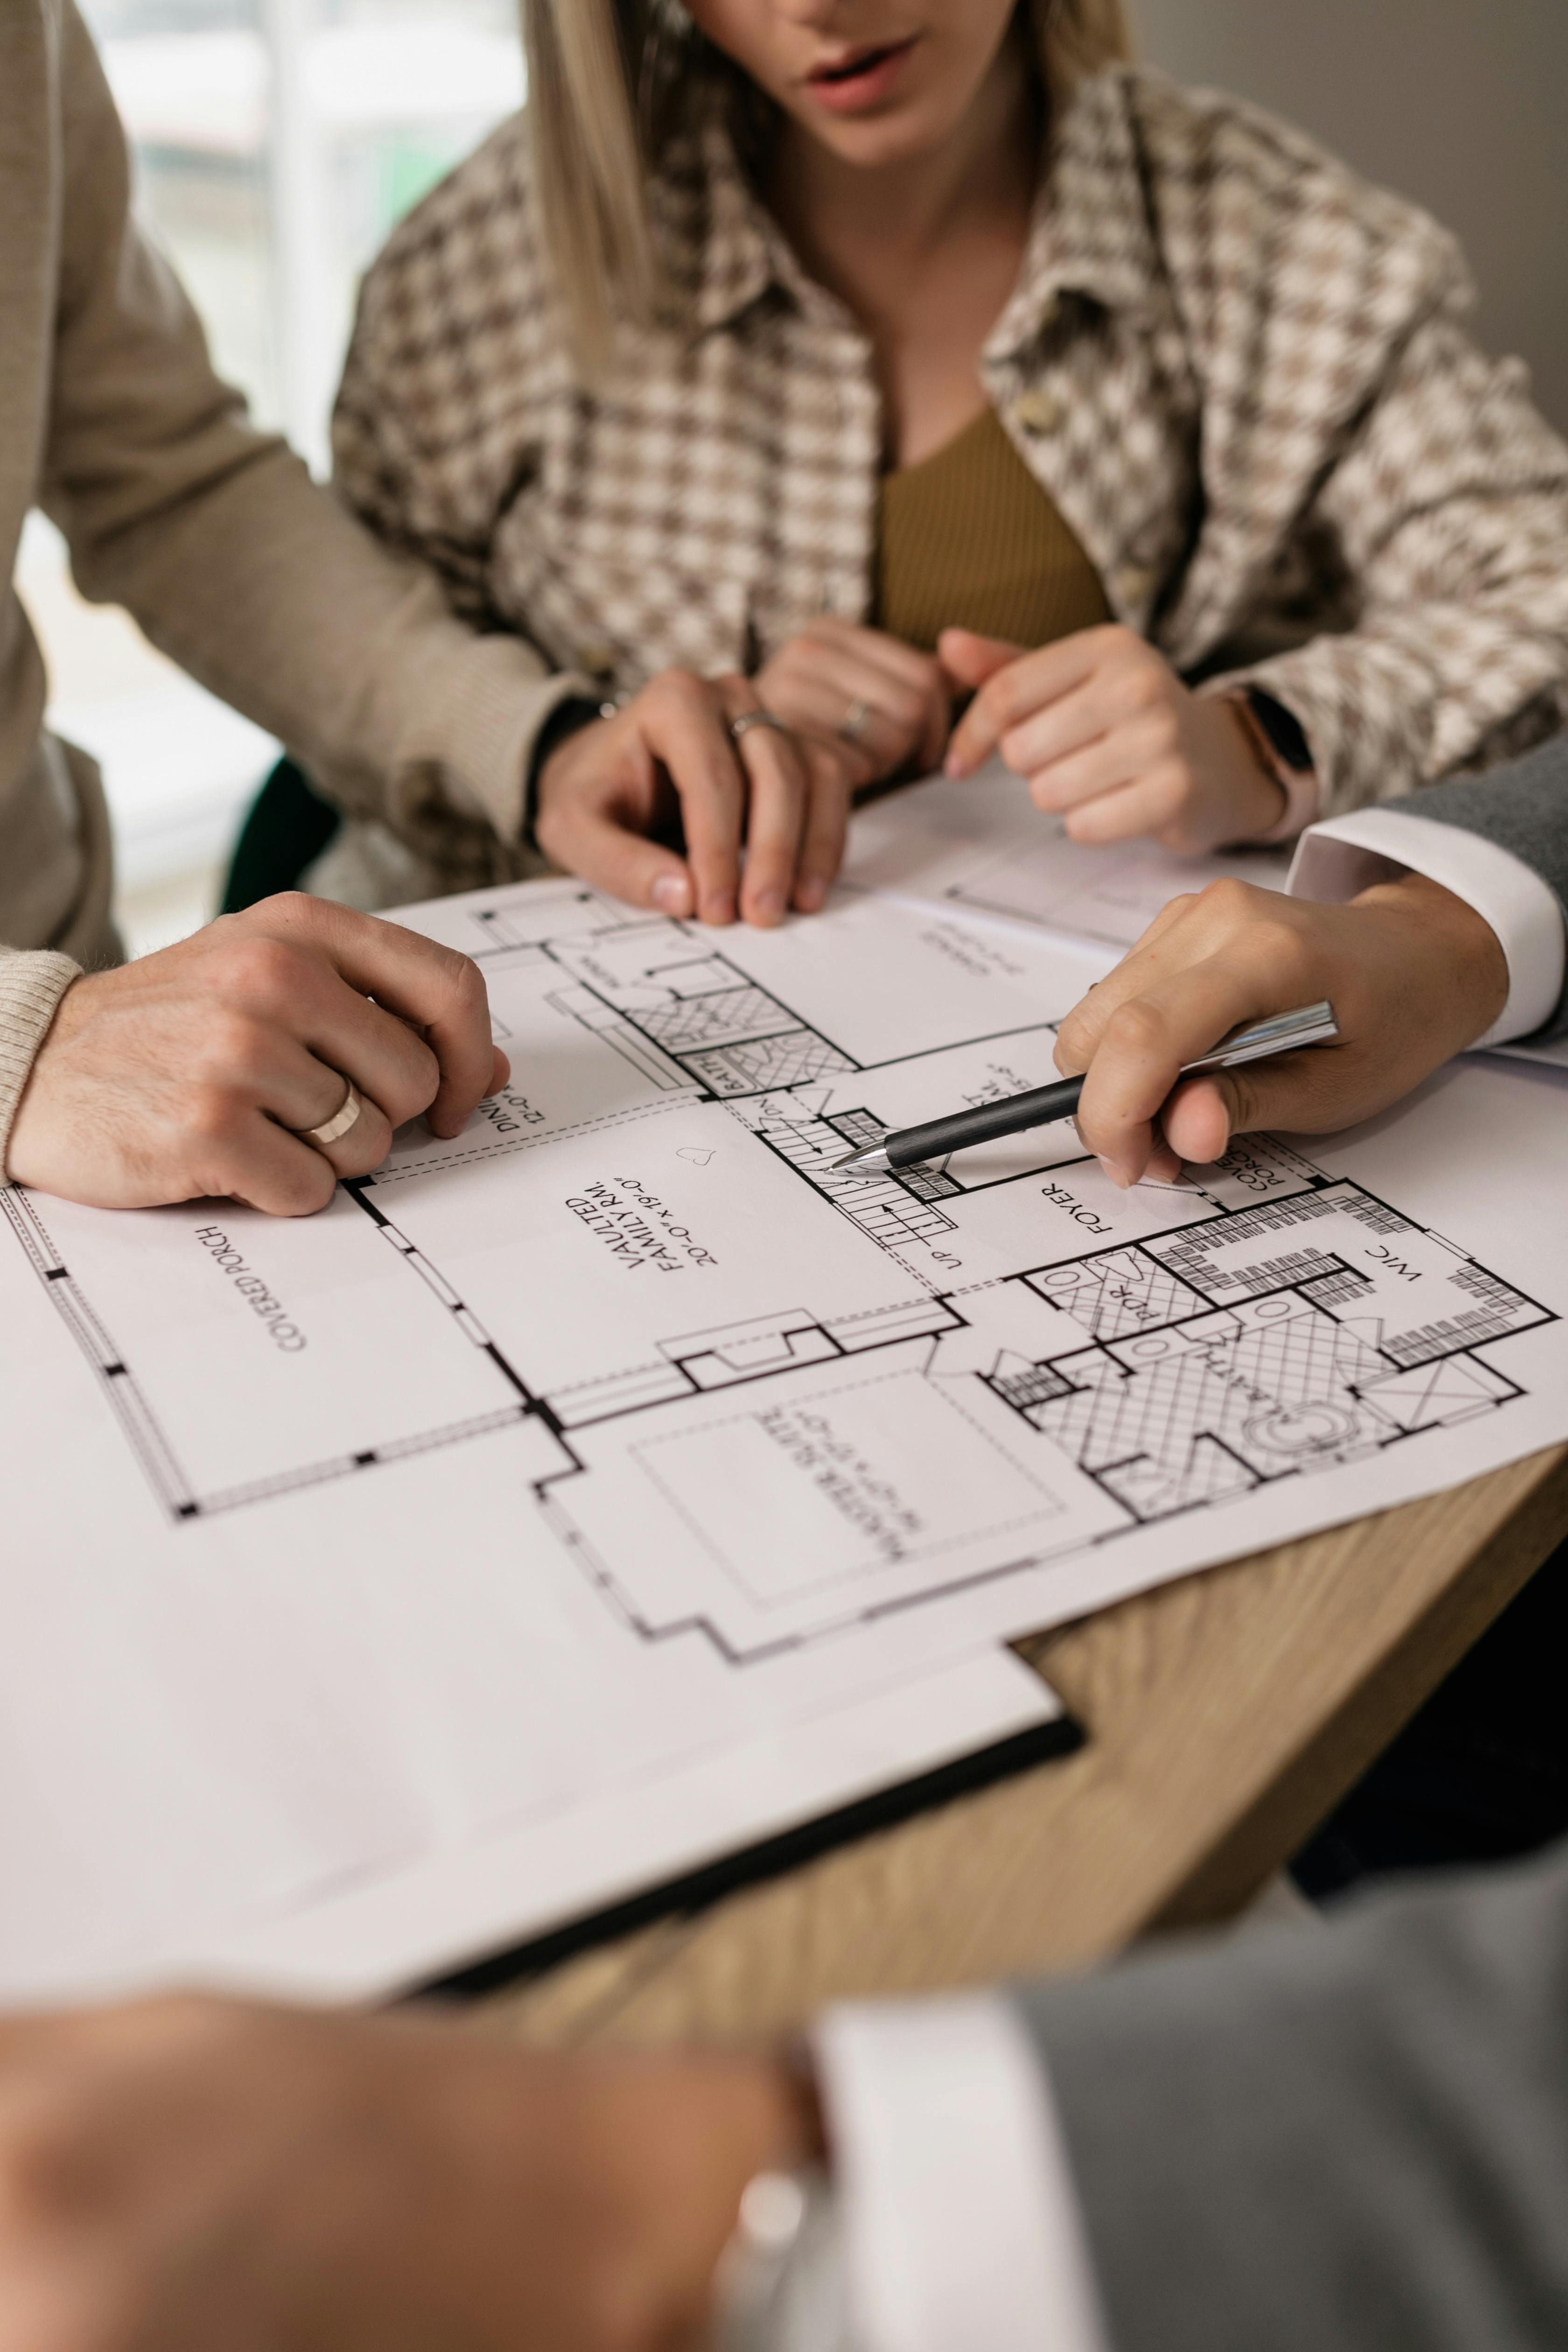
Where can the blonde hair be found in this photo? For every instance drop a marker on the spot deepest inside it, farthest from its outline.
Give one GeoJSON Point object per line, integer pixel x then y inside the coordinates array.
{"type": "Point", "coordinates": [605, 97]}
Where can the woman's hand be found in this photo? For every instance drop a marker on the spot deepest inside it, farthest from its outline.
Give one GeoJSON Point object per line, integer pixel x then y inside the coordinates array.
{"type": "Point", "coordinates": [1413, 972]}
{"type": "Point", "coordinates": [194, 1072]}
{"type": "Point", "coordinates": [185, 2175]}
{"type": "Point", "coordinates": [1111, 740]}
{"type": "Point", "coordinates": [668, 762]}
{"type": "Point", "coordinates": [868, 700]}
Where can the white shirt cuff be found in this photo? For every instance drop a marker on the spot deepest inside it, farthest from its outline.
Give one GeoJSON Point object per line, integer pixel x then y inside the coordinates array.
{"type": "Point", "coordinates": [1347, 854]}
{"type": "Point", "coordinates": [962, 2228]}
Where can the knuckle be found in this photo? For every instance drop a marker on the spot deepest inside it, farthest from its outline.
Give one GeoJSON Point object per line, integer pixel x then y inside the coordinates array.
{"type": "Point", "coordinates": [1170, 785]}
{"type": "Point", "coordinates": [297, 908]}
{"type": "Point", "coordinates": [1272, 933]}
{"type": "Point", "coordinates": [1280, 950]}
{"type": "Point", "coordinates": [405, 1096]}
{"type": "Point", "coordinates": [1073, 1043]}
{"type": "Point", "coordinates": [1136, 1028]}
{"type": "Point", "coordinates": [1003, 699]}
{"type": "Point", "coordinates": [681, 687]}
{"type": "Point", "coordinates": [1144, 681]}
{"type": "Point", "coordinates": [469, 993]}
{"type": "Point", "coordinates": [1160, 737]}
{"type": "Point", "coordinates": [262, 970]}
{"type": "Point", "coordinates": [314, 1189]}
{"type": "Point", "coordinates": [229, 1045]}
{"type": "Point", "coordinates": [1229, 902]}
{"type": "Point", "coordinates": [214, 1125]}
{"type": "Point", "coordinates": [372, 1138]}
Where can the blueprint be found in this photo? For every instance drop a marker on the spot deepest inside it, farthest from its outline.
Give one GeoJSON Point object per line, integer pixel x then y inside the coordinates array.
{"type": "Point", "coordinates": [613, 1484]}
{"type": "Point", "coordinates": [751, 1396]}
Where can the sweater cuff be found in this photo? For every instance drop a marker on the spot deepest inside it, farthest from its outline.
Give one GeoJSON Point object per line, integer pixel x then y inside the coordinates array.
{"type": "Point", "coordinates": [31, 987]}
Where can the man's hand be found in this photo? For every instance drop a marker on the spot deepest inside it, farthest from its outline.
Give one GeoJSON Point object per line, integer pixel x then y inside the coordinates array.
{"type": "Point", "coordinates": [870, 702]}
{"type": "Point", "coordinates": [182, 2175]}
{"type": "Point", "coordinates": [669, 757]}
{"type": "Point", "coordinates": [1414, 975]}
{"type": "Point", "coordinates": [1111, 740]}
{"type": "Point", "coordinates": [192, 1072]}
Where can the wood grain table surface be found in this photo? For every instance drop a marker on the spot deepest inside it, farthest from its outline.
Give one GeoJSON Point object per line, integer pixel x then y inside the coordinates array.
{"type": "Point", "coordinates": [1226, 1716]}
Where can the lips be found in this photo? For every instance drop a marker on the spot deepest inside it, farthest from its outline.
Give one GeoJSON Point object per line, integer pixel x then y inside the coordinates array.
{"type": "Point", "coordinates": [861, 61]}
{"type": "Point", "coordinates": [859, 81]}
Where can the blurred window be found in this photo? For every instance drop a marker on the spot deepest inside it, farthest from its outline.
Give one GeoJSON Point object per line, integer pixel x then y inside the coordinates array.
{"type": "Point", "coordinates": [277, 143]}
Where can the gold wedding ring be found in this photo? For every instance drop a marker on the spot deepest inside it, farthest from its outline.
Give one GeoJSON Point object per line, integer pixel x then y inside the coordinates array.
{"type": "Point", "coordinates": [743, 725]}
{"type": "Point", "coordinates": [857, 719]}
{"type": "Point", "coordinates": [334, 1128]}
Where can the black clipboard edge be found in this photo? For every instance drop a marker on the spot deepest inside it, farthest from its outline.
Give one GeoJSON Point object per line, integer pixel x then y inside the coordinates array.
{"type": "Point", "coordinates": [699, 1890]}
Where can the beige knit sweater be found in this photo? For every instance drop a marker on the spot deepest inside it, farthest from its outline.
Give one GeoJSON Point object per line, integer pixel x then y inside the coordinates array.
{"type": "Point", "coordinates": [212, 534]}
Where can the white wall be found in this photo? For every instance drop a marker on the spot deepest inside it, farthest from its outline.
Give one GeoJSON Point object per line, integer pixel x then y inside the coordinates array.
{"type": "Point", "coordinates": [1462, 104]}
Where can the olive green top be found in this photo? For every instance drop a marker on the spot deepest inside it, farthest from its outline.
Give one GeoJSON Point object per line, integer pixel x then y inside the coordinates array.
{"type": "Point", "coordinates": [968, 539]}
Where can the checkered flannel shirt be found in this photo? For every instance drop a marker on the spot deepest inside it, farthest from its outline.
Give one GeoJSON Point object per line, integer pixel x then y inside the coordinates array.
{"type": "Point", "coordinates": [1242, 374]}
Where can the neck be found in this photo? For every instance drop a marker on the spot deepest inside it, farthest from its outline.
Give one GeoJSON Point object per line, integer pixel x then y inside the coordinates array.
{"type": "Point", "coordinates": [835, 212]}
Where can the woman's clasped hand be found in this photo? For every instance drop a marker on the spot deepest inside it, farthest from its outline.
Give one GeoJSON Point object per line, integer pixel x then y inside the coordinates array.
{"type": "Point", "coordinates": [768, 767]}
{"type": "Point", "coordinates": [731, 797]}
{"type": "Point", "coordinates": [1111, 741]}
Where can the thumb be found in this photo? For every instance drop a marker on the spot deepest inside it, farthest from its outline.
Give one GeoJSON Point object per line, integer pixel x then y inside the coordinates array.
{"type": "Point", "coordinates": [1320, 1089]}
{"type": "Point", "coordinates": [1200, 1120]}
{"type": "Point", "coordinates": [969, 659]}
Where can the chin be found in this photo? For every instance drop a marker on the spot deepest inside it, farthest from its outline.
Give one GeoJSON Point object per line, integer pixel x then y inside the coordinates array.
{"type": "Point", "coordinates": [901, 136]}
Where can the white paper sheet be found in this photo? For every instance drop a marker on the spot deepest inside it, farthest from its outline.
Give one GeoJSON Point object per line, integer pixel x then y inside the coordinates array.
{"type": "Point", "coordinates": [357, 1729]}
{"type": "Point", "coordinates": [590, 1493]}
{"type": "Point", "coordinates": [982, 847]}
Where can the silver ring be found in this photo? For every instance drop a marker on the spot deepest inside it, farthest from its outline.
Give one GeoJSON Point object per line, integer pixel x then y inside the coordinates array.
{"type": "Point", "coordinates": [334, 1129]}
{"type": "Point", "coordinates": [749, 719]}
{"type": "Point", "coordinates": [857, 719]}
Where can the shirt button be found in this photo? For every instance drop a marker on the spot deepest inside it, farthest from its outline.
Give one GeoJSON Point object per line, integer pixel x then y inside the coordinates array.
{"type": "Point", "coordinates": [1038, 411]}
{"type": "Point", "coordinates": [1133, 582]}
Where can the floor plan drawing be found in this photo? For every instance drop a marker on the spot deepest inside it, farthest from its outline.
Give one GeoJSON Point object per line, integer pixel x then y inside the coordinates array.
{"type": "Point", "coordinates": [755, 1398]}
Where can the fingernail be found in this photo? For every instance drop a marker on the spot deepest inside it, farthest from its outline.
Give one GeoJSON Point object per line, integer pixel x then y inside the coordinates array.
{"type": "Point", "coordinates": [672, 895]}
{"type": "Point", "coordinates": [721, 909]}
{"type": "Point", "coordinates": [810, 895]}
{"type": "Point", "coordinates": [1117, 1175]}
{"type": "Point", "coordinates": [953, 766]}
{"type": "Point", "coordinates": [768, 907]}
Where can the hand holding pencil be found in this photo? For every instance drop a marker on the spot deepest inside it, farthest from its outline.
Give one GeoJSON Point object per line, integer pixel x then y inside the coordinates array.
{"type": "Point", "coordinates": [1413, 973]}
{"type": "Point", "coordinates": [1241, 1009]}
